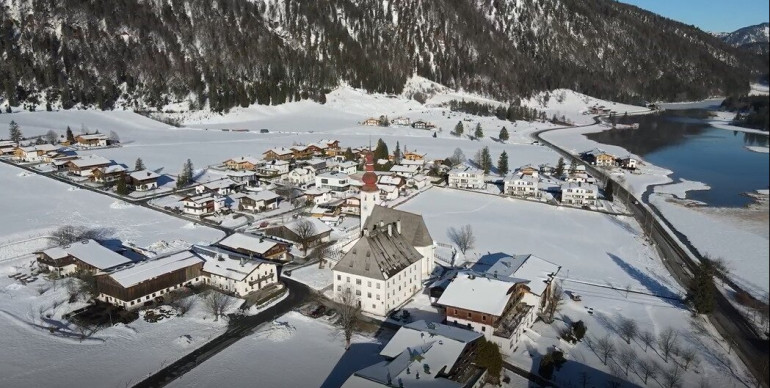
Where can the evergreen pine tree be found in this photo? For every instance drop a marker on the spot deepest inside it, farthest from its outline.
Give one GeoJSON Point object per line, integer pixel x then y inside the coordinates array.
{"type": "Point", "coordinates": [381, 151]}
{"type": "Point", "coordinates": [479, 133]}
{"type": "Point", "coordinates": [459, 129]}
{"type": "Point", "coordinates": [70, 136]}
{"type": "Point", "coordinates": [702, 288]}
{"type": "Point", "coordinates": [502, 164]}
{"type": "Point", "coordinates": [434, 134]}
{"type": "Point", "coordinates": [559, 170]}
{"type": "Point", "coordinates": [139, 166]}
{"type": "Point", "coordinates": [503, 134]}
{"type": "Point", "coordinates": [188, 169]}
{"type": "Point", "coordinates": [349, 154]}
{"type": "Point", "coordinates": [486, 160]}
{"type": "Point", "coordinates": [608, 190]}
{"type": "Point", "coordinates": [15, 132]}
{"type": "Point", "coordinates": [121, 187]}
{"type": "Point", "coordinates": [397, 152]}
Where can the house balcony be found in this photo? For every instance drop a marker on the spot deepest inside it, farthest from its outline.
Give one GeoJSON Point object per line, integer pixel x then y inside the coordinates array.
{"type": "Point", "coordinates": [510, 321]}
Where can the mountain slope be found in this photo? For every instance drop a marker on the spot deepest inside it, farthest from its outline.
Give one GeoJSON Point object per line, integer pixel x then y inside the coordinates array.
{"type": "Point", "coordinates": [224, 53]}
{"type": "Point", "coordinates": [755, 39]}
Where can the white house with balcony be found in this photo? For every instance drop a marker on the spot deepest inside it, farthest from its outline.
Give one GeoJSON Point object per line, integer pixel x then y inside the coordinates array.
{"type": "Point", "coordinates": [236, 273]}
{"type": "Point", "coordinates": [466, 178]}
{"type": "Point", "coordinates": [337, 183]}
{"type": "Point", "coordinates": [579, 194]}
{"type": "Point", "coordinates": [522, 185]}
{"type": "Point", "coordinates": [301, 176]}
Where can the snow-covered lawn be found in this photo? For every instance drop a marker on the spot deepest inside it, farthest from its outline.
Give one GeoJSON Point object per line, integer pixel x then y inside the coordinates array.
{"type": "Point", "coordinates": [116, 356]}
{"type": "Point", "coordinates": [33, 205]}
{"type": "Point", "coordinates": [596, 251]}
{"type": "Point", "coordinates": [292, 351]}
{"type": "Point", "coordinates": [314, 277]}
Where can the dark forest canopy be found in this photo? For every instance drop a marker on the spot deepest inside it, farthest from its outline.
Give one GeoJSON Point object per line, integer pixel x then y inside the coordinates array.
{"type": "Point", "coordinates": [228, 53]}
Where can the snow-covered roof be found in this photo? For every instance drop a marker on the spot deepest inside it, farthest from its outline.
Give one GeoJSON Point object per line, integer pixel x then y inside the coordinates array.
{"type": "Point", "coordinates": [318, 225]}
{"type": "Point", "coordinates": [240, 173]}
{"type": "Point", "coordinates": [519, 176]}
{"type": "Point", "coordinates": [203, 198]}
{"type": "Point", "coordinates": [515, 268]}
{"type": "Point", "coordinates": [144, 175]}
{"type": "Point", "coordinates": [279, 151]}
{"type": "Point", "coordinates": [151, 269]}
{"type": "Point", "coordinates": [466, 170]}
{"type": "Point", "coordinates": [219, 184]}
{"type": "Point", "coordinates": [379, 255]}
{"type": "Point", "coordinates": [96, 255]}
{"type": "Point", "coordinates": [89, 161]}
{"type": "Point", "coordinates": [94, 136]}
{"type": "Point", "coordinates": [248, 243]}
{"type": "Point", "coordinates": [579, 185]}
{"type": "Point", "coordinates": [228, 264]}
{"type": "Point", "coordinates": [469, 291]}
{"type": "Point", "coordinates": [347, 164]}
{"type": "Point", "coordinates": [301, 171]}
{"type": "Point", "coordinates": [407, 162]}
{"type": "Point", "coordinates": [46, 147]}
{"type": "Point", "coordinates": [388, 188]}
{"type": "Point", "coordinates": [390, 180]}
{"type": "Point", "coordinates": [264, 195]}
{"type": "Point", "coordinates": [333, 175]}
{"type": "Point", "coordinates": [401, 168]}
{"type": "Point", "coordinates": [414, 347]}
{"type": "Point", "coordinates": [247, 159]}
{"type": "Point", "coordinates": [115, 168]}
{"type": "Point", "coordinates": [316, 191]}
{"type": "Point", "coordinates": [56, 253]}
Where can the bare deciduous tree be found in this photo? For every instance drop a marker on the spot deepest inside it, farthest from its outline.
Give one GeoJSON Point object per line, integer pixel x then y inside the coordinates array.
{"type": "Point", "coordinates": [626, 358]}
{"type": "Point", "coordinates": [349, 309]}
{"type": "Point", "coordinates": [87, 329]}
{"type": "Point", "coordinates": [69, 234]}
{"type": "Point", "coordinates": [457, 157]}
{"type": "Point", "coordinates": [51, 137]}
{"type": "Point", "coordinates": [114, 138]}
{"type": "Point", "coordinates": [646, 369]}
{"type": "Point", "coordinates": [688, 357]}
{"type": "Point", "coordinates": [671, 377]}
{"type": "Point", "coordinates": [627, 328]}
{"type": "Point", "coordinates": [305, 230]}
{"type": "Point", "coordinates": [182, 302]}
{"type": "Point", "coordinates": [463, 237]}
{"type": "Point", "coordinates": [606, 348]}
{"type": "Point", "coordinates": [217, 303]}
{"type": "Point", "coordinates": [554, 301]}
{"type": "Point", "coordinates": [647, 338]}
{"type": "Point", "coordinates": [667, 342]}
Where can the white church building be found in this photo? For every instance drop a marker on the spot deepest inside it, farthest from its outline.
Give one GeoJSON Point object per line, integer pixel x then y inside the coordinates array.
{"type": "Point", "coordinates": [394, 254]}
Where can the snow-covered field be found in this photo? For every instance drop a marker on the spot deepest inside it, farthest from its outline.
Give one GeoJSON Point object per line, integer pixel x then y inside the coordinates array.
{"type": "Point", "coordinates": [596, 251]}
{"type": "Point", "coordinates": [314, 277]}
{"type": "Point", "coordinates": [117, 356]}
{"type": "Point", "coordinates": [292, 351]}
{"type": "Point", "coordinates": [33, 204]}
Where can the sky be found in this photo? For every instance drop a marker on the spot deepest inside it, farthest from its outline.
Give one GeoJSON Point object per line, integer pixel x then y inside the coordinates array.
{"type": "Point", "coordinates": [710, 15]}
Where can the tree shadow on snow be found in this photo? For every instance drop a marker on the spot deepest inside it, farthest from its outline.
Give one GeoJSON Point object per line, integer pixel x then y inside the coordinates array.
{"type": "Point", "coordinates": [651, 284]}
{"type": "Point", "coordinates": [359, 356]}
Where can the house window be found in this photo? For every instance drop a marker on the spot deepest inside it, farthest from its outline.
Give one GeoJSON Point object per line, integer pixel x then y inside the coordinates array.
{"type": "Point", "coordinates": [469, 315]}
{"type": "Point", "coordinates": [348, 279]}
{"type": "Point", "coordinates": [339, 288]}
{"type": "Point", "coordinates": [378, 286]}
{"type": "Point", "coordinates": [455, 312]}
{"type": "Point", "coordinates": [358, 292]}
{"type": "Point", "coordinates": [483, 328]}
{"type": "Point", "coordinates": [369, 283]}
{"type": "Point", "coordinates": [358, 282]}
{"type": "Point", "coordinates": [374, 306]}
{"type": "Point", "coordinates": [378, 296]}
{"type": "Point", "coordinates": [484, 318]}
{"type": "Point", "coordinates": [369, 295]}
{"type": "Point", "coordinates": [339, 277]}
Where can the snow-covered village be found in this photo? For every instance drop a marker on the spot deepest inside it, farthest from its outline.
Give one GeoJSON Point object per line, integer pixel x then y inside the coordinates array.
{"type": "Point", "coordinates": [432, 236]}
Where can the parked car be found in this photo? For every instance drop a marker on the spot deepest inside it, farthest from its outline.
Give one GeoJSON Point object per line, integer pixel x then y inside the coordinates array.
{"type": "Point", "coordinates": [318, 311]}
{"type": "Point", "coordinates": [264, 130]}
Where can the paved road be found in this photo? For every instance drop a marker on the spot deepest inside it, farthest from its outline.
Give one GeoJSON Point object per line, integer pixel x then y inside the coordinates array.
{"type": "Point", "coordinates": [677, 257]}
{"type": "Point", "coordinates": [239, 327]}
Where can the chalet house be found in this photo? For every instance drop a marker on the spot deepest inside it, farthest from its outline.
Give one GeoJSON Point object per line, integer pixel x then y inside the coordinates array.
{"type": "Point", "coordinates": [317, 196]}
{"type": "Point", "coordinates": [278, 154]}
{"type": "Point", "coordinates": [388, 263]}
{"type": "Point", "coordinates": [301, 176]}
{"type": "Point", "coordinates": [331, 144]}
{"type": "Point", "coordinates": [520, 184]}
{"type": "Point", "coordinates": [346, 167]}
{"type": "Point", "coordinates": [301, 152]}
{"type": "Point", "coordinates": [317, 148]}
{"type": "Point", "coordinates": [62, 154]}
{"type": "Point", "coordinates": [84, 166]}
{"type": "Point", "coordinates": [33, 153]}
{"type": "Point", "coordinates": [248, 163]}
{"type": "Point", "coordinates": [528, 170]}
{"type": "Point", "coordinates": [204, 204]}
{"type": "Point", "coordinates": [245, 178]}
{"type": "Point", "coordinates": [235, 273]}
{"type": "Point", "coordinates": [628, 163]}
{"type": "Point", "coordinates": [328, 210]}
{"type": "Point", "coordinates": [413, 156]}
{"type": "Point", "coordinates": [372, 122]}
{"type": "Point", "coordinates": [87, 255]}
{"type": "Point", "coordinates": [599, 158]}
{"type": "Point", "coordinates": [143, 180]}
{"type": "Point", "coordinates": [396, 181]}
{"type": "Point", "coordinates": [319, 234]}
{"type": "Point", "coordinates": [388, 193]}
{"type": "Point", "coordinates": [143, 282]}
{"type": "Point", "coordinates": [579, 194]}
{"type": "Point", "coordinates": [336, 183]}
{"type": "Point", "coordinates": [424, 354]}
{"type": "Point", "coordinates": [546, 168]}
{"type": "Point", "coordinates": [319, 165]}
{"type": "Point", "coordinates": [259, 201]}
{"type": "Point", "coordinates": [351, 205]}
{"type": "Point", "coordinates": [466, 178]}
{"type": "Point", "coordinates": [403, 121]}
{"type": "Point", "coordinates": [220, 187]}
{"type": "Point", "coordinates": [406, 171]}
{"type": "Point", "coordinates": [258, 247]}
{"type": "Point", "coordinates": [108, 175]}
{"type": "Point", "coordinates": [418, 181]}
{"type": "Point", "coordinates": [419, 124]}
{"type": "Point", "coordinates": [273, 169]}
{"type": "Point", "coordinates": [92, 140]}
{"type": "Point", "coordinates": [7, 147]}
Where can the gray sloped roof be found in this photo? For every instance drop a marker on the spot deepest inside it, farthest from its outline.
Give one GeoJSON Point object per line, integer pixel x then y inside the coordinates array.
{"type": "Point", "coordinates": [412, 225]}
{"type": "Point", "coordinates": [378, 256]}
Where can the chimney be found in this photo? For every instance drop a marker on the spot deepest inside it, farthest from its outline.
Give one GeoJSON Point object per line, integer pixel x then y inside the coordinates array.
{"type": "Point", "coordinates": [398, 226]}
{"type": "Point", "coordinates": [241, 261]}
{"type": "Point", "coordinates": [382, 224]}
{"type": "Point", "coordinates": [390, 230]}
